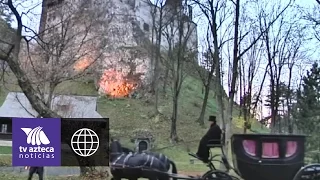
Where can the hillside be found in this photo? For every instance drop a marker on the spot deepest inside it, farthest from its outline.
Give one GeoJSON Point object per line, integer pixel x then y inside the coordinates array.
{"type": "Point", "coordinates": [128, 115]}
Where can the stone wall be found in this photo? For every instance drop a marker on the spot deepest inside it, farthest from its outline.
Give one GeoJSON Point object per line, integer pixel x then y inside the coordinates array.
{"type": "Point", "coordinates": [126, 41]}
{"type": "Point", "coordinates": [7, 35]}
{"type": "Point", "coordinates": [127, 48]}
{"type": "Point", "coordinates": [143, 13]}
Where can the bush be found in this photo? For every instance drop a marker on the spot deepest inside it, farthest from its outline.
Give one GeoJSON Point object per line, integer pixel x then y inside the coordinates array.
{"type": "Point", "coordinates": [240, 123]}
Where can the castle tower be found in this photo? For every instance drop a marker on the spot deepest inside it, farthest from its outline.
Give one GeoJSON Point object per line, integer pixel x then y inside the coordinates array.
{"type": "Point", "coordinates": [47, 7]}
{"type": "Point", "coordinates": [43, 18]}
{"type": "Point", "coordinates": [175, 4]}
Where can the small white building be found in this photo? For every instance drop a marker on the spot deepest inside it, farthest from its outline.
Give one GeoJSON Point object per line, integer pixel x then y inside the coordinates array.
{"type": "Point", "coordinates": [16, 104]}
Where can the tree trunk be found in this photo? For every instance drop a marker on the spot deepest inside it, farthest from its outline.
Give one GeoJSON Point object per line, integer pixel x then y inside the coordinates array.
{"type": "Point", "coordinates": [165, 81]}
{"type": "Point", "coordinates": [48, 101]}
{"type": "Point", "coordinates": [157, 60]}
{"type": "Point", "coordinates": [26, 87]}
{"type": "Point", "coordinates": [204, 104]}
{"type": "Point", "coordinates": [25, 84]}
{"type": "Point", "coordinates": [219, 98]}
{"type": "Point", "coordinates": [245, 119]}
{"type": "Point", "coordinates": [173, 132]}
{"type": "Point", "coordinates": [218, 82]}
{"type": "Point", "coordinates": [152, 58]}
{"type": "Point", "coordinates": [157, 50]}
{"type": "Point", "coordinates": [290, 128]}
{"type": "Point", "coordinates": [85, 170]}
{"type": "Point", "coordinates": [233, 80]}
{"type": "Point", "coordinates": [272, 84]}
{"type": "Point", "coordinates": [156, 71]}
{"type": "Point", "coordinates": [277, 99]}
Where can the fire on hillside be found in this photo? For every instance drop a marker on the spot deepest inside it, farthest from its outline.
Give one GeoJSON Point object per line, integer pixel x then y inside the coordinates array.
{"type": "Point", "coordinates": [116, 84]}
{"type": "Point", "coordinates": [113, 83]}
{"type": "Point", "coordinates": [82, 64]}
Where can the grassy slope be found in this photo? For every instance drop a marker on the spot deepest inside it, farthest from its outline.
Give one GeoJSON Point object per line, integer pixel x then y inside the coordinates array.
{"type": "Point", "coordinates": [127, 115]}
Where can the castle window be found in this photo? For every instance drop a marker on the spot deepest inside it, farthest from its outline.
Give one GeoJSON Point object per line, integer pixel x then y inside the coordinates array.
{"type": "Point", "coordinates": [146, 27]}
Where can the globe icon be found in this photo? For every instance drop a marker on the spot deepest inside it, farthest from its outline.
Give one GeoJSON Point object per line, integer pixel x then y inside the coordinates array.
{"type": "Point", "coordinates": [85, 142]}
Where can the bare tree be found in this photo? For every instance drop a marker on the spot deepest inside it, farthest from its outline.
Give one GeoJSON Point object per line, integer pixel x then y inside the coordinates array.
{"type": "Point", "coordinates": [10, 54]}
{"type": "Point", "coordinates": [237, 55]}
{"type": "Point", "coordinates": [206, 74]}
{"type": "Point", "coordinates": [157, 15]}
{"type": "Point", "coordinates": [65, 53]}
{"type": "Point", "coordinates": [295, 54]}
{"type": "Point", "coordinates": [178, 34]}
{"type": "Point", "coordinates": [40, 62]}
{"type": "Point", "coordinates": [314, 18]}
{"type": "Point", "coordinates": [249, 66]}
{"type": "Point", "coordinates": [217, 14]}
{"type": "Point", "coordinates": [282, 47]}
{"type": "Point", "coordinates": [210, 14]}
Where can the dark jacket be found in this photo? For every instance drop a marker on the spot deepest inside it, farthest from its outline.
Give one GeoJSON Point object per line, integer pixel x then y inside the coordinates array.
{"type": "Point", "coordinates": [214, 135]}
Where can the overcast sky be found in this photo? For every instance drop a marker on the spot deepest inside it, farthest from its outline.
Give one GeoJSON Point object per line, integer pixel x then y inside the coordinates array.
{"type": "Point", "coordinates": [32, 11]}
{"type": "Point", "coordinates": [301, 67]}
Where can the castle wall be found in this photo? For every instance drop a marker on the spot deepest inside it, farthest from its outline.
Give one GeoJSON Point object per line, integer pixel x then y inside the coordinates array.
{"type": "Point", "coordinates": [126, 39]}
{"type": "Point", "coordinates": [127, 51]}
{"type": "Point", "coordinates": [143, 13]}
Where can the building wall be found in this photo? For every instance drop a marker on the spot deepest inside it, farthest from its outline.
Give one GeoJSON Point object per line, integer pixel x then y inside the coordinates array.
{"type": "Point", "coordinates": [144, 10]}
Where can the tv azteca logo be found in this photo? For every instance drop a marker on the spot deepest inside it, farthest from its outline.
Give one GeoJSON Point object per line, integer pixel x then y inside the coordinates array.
{"type": "Point", "coordinates": [37, 140]}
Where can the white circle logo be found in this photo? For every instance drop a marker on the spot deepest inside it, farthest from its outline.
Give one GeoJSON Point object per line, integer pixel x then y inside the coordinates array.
{"type": "Point", "coordinates": [85, 142]}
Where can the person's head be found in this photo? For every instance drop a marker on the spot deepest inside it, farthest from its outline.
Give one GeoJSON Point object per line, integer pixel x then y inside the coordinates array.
{"type": "Point", "coordinates": [212, 120]}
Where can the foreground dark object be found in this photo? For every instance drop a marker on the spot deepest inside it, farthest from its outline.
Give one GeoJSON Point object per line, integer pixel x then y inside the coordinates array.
{"type": "Point", "coordinates": [135, 171]}
{"type": "Point", "coordinates": [37, 170]}
{"type": "Point", "coordinates": [255, 157]}
{"type": "Point", "coordinates": [308, 172]}
{"type": "Point", "coordinates": [268, 156]}
{"type": "Point", "coordinates": [163, 158]}
{"type": "Point", "coordinates": [214, 136]}
{"type": "Point", "coordinates": [133, 166]}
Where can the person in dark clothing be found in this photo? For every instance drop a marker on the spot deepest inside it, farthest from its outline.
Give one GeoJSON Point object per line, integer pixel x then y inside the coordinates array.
{"type": "Point", "coordinates": [213, 135]}
{"type": "Point", "coordinates": [38, 170]}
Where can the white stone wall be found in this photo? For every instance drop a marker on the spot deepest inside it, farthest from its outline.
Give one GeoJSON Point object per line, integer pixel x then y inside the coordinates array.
{"type": "Point", "coordinates": [143, 12]}
{"type": "Point", "coordinates": [125, 52]}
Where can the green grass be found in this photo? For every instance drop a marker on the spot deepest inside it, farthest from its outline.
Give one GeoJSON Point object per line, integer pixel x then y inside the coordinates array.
{"type": "Point", "coordinates": [127, 115]}
{"type": "Point", "coordinates": [9, 176]}
{"type": "Point", "coordinates": [5, 150]}
{"type": "Point", "coordinates": [5, 160]}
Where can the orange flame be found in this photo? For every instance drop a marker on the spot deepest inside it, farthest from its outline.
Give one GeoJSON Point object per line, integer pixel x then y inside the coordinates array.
{"type": "Point", "coordinates": [82, 64]}
{"type": "Point", "coordinates": [115, 84]}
